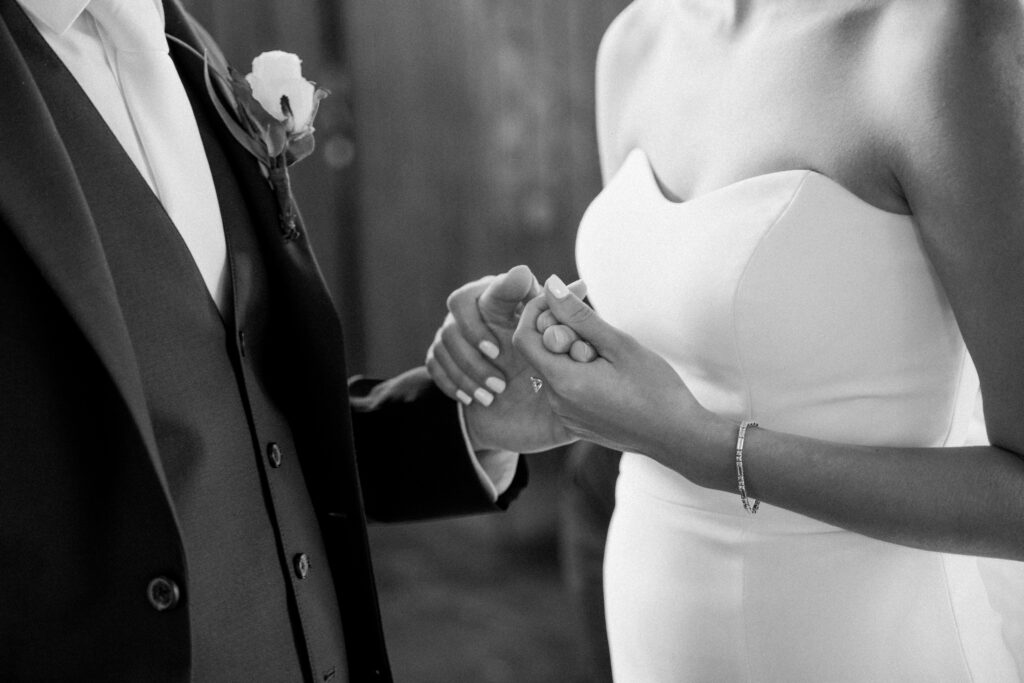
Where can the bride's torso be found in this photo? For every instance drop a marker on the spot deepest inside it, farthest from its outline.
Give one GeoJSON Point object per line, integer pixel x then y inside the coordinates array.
{"type": "Point", "coordinates": [792, 285]}
{"type": "Point", "coordinates": [787, 299]}
{"type": "Point", "coordinates": [753, 232]}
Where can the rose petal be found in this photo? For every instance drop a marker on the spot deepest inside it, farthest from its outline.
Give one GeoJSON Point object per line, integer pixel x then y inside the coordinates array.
{"type": "Point", "coordinates": [267, 98]}
{"type": "Point", "coordinates": [276, 65]}
{"type": "Point", "coordinates": [300, 94]}
{"type": "Point", "coordinates": [300, 99]}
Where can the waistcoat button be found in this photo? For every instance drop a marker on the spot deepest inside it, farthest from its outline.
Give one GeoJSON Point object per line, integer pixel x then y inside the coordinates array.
{"type": "Point", "coordinates": [301, 565]}
{"type": "Point", "coordinates": [274, 454]}
{"type": "Point", "coordinates": [163, 593]}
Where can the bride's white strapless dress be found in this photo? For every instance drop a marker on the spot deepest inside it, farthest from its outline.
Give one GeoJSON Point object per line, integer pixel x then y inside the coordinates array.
{"type": "Point", "coordinates": [788, 300]}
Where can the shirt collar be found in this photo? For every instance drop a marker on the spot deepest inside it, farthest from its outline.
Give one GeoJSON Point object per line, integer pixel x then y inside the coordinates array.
{"type": "Point", "coordinates": [59, 15]}
{"type": "Point", "coordinates": [56, 15]}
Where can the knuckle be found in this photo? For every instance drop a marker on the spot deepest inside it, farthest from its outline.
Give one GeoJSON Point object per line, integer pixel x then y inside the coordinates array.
{"type": "Point", "coordinates": [550, 338]}
{"type": "Point", "coordinates": [440, 355]}
{"type": "Point", "coordinates": [449, 334]}
{"type": "Point", "coordinates": [568, 334]}
{"type": "Point", "coordinates": [453, 298]}
{"type": "Point", "coordinates": [436, 372]}
{"type": "Point", "coordinates": [580, 314]}
{"type": "Point", "coordinates": [558, 338]}
{"type": "Point", "coordinates": [580, 351]}
{"type": "Point", "coordinates": [462, 297]}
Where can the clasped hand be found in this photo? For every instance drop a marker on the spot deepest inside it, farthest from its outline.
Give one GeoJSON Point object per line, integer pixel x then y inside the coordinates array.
{"type": "Point", "coordinates": [598, 383]}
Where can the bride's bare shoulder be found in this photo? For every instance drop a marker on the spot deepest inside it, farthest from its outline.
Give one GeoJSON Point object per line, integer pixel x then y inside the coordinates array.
{"type": "Point", "coordinates": [940, 66]}
{"type": "Point", "coordinates": [949, 91]}
{"type": "Point", "coordinates": [628, 37]}
{"type": "Point", "coordinates": [948, 39]}
{"type": "Point", "coordinates": [623, 60]}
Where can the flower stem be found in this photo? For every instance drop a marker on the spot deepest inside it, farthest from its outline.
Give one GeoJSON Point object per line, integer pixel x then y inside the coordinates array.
{"type": "Point", "coordinates": [288, 215]}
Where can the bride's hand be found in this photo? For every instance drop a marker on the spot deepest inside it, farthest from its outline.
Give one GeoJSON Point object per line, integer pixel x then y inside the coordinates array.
{"type": "Point", "coordinates": [473, 359]}
{"type": "Point", "coordinates": [559, 338]}
{"type": "Point", "coordinates": [629, 398]}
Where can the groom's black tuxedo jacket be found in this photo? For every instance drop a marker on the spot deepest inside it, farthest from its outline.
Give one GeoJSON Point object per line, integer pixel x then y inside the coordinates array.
{"type": "Point", "coordinates": [124, 479]}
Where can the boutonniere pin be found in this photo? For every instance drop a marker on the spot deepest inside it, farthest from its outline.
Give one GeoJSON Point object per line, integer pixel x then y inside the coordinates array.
{"type": "Point", "coordinates": [274, 108]}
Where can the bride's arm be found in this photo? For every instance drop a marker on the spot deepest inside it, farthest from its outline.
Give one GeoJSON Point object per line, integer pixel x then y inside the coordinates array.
{"type": "Point", "coordinates": [960, 145]}
{"type": "Point", "coordinates": [962, 500]}
{"type": "Point", "coordinates": [961, 166]}
{"type": "Point", "coordinates": [958, 138]}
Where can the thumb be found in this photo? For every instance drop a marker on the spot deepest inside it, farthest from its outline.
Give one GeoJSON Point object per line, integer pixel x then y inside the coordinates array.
{"type": "Point", "coordinates": [501, 301]}
{"type": "Point", "coordinates": [571, 311]}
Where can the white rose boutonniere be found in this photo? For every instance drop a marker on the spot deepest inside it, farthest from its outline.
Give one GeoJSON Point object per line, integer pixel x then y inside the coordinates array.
{"type": "Point", "coordinates": [277, 84]}
{"type": "Point", "coordinates": [274, 108]}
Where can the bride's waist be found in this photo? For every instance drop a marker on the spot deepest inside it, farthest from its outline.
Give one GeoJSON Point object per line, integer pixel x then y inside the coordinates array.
{"type": "Point", "coordinates": [646, 482]}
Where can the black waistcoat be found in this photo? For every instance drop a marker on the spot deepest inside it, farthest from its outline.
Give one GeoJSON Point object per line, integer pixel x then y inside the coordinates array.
{"type": "Point", "coordinates": [259, 592]}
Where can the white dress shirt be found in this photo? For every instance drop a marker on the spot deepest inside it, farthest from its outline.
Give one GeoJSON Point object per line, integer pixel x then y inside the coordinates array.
{"type": "Point", "coordinates": [74, 36]}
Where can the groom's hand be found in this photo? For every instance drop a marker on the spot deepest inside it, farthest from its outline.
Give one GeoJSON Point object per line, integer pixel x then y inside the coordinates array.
{"type": "Point", "coordinates": [473, 359]}
{"type": "Point", "coordinates": [472, 353]}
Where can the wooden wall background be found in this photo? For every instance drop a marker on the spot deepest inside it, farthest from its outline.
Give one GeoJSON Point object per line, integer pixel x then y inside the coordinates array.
{"type": "Point", "coordinates": [476, 149]}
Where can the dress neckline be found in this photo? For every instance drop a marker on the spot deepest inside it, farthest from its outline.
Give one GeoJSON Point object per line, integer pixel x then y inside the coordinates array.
{"type": "Point", "coordinates": [654, 187]}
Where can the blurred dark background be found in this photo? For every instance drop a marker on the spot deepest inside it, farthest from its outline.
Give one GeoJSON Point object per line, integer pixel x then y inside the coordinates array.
{"type": "Point", "coordinates": [458, 141]}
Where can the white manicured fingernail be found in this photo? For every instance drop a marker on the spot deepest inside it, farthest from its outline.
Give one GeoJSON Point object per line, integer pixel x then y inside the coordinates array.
{"type": "Point", "coordinates": [489, 349]}
{"type": "Point", "coordinates": [496, 385]}
{"type": "Point", "coordinates": [464, 397]}
{"type": "Point", "coordinates": [483, 396]}
{"type": "Point", "coordinates": [557, 287]}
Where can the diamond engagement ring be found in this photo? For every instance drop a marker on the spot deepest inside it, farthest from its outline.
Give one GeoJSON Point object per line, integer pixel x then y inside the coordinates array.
{"type": "Point", "coordinates": [537, 383]}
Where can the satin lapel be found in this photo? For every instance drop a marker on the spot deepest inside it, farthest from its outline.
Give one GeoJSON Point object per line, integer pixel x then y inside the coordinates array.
{"type": "Point", "coordinates": [41, 202]}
